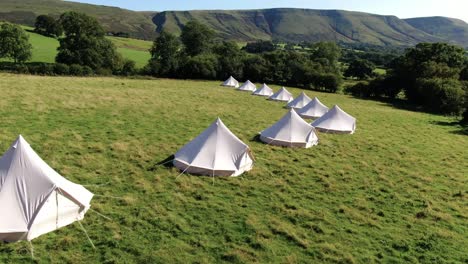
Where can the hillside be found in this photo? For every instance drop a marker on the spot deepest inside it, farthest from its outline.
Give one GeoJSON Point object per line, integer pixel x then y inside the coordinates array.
{"type": "Point", "coordinates": [283, 24]}
{"type": "Point", "coordinates": [45, 48]}
{"type": "Point", "coordinates": [113, 19]}
{"type": "Point", "coordinates": [451, 29]}
{"type": "Point", "coordinates": [299, 25]}
{"type": "Point", "coordinates": [378, 196]}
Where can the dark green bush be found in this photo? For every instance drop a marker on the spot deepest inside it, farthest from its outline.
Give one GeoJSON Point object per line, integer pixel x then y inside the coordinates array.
{"type": "Point", "coordinates": [87, 71]}
{"type": "Point", "coordinates": [128, 68]}
{"type": "Point", "coordinates": [76, 70]}
{"type": "Point", "coordinates": [61, 69]}
{"type": "Point", "coordinates": [442, 95]}
{"type": "Point", "coordinates": [203, 66]}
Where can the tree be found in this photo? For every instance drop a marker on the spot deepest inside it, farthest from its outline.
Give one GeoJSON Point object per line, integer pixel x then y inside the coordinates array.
{"type": "Point", "coordinates": [14, 43]}
{"type": "Point", "coordinates": [327, 52]}
{"type": "Point", "coordinates": [165, 55]}
{"type": "Point", "coordinates": [230, 59]}
{"type": "Point", "coordinates": [84, 43]}
{"type": "Point", "coordinates": [259, 47]}
{"type": "Point", "coordinates": [360, 69]}
{"type": "Point", "coordinates": [427, 61]}
{"type": "Point", "coordinates": [48, 26]}
{"type": "Point", "coordinates": [203, 66]}
{"type": "Point", "coordinates": [197, 38]}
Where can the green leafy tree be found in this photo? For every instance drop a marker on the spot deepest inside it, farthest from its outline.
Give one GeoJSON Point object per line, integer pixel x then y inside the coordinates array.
{"type": "Point", "coordinates": [230, 59]}
{"type": "Point", "coordinates": [48, 26]}
{"type": "Point", "coordinates": [84, 43]}
{"type": "Point", "coordinates": [203, 66]}
{"type": "Point", "coordinates": [327, 53]}
{"type": "Point", "coordinates": [165, 55]}
{"type": "Point", "coordinates": [14, 43]}
{"type": "Point", "coordinates": [361, 69]}
{"type": "Point", "coordinates": [197, 38]}
{"type": "Point", "coordinates": [259, 47]}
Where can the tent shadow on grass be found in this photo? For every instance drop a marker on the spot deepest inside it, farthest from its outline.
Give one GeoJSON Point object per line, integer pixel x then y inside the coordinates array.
{"type": "Point", "coordinates": [165, 162]}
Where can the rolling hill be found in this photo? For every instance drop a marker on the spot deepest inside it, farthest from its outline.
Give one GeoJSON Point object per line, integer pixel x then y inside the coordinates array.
{"type": "Point", "coordinates": [300, 25]}
{"type": "Point", "coordinates": [283, 24]}
{"type": "Point", "coordinates": [443, 27]}
{"type": "Point", "coordinates": [45, 48]}
{"type": "Point", "coordinates": [137, 24]}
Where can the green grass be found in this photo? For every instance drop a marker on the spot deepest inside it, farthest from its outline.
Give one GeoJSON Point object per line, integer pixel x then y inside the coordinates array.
{"type": "Point", "coordinates": [394, 192]}
{"type": "Point", "coordinates": [380, 71]}
{"type": "Point", "coordinates": [45, 48]}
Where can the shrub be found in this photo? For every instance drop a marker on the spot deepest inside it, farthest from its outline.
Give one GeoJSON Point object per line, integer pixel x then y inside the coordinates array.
{"type": "Point", "coordinates": [327, 82]}
{"type": "Point", "coordinates": [61, 69]}
{"type": "Point", "coordinates": [103, 71]}
{"type": "Point", "coordinates": [45, 69]}
{"type": "Point", "coordinates": [87, 71]}
{"type": "Point", "coordinates": [76, 70]}
{"type": "Point", "coordinates": [21, 68]}
{"type": "Point", "coordinates": [203, 66]}
{"type": "Point", "coordinates": [442, 95]}
{"type": "Point", "coordinates": [128, 68]}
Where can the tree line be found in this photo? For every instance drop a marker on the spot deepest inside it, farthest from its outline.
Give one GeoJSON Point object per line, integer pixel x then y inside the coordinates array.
{"type": "Point", "coordinates": [431, 75]}
{"type": "Point", "coordinates": [197, 54]}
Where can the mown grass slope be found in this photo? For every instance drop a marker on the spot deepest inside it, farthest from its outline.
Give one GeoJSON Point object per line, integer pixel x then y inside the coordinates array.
{"type": "Point", "coordinates": [113, 19]}
{"type": "Point", "coordinates": [45, 48]}
{"type": "Point", "coordinates": [394, 192]}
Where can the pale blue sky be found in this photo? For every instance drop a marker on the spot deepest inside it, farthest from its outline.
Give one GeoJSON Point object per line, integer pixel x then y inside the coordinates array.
{"type": "Point", "coordinates": [400, 8]}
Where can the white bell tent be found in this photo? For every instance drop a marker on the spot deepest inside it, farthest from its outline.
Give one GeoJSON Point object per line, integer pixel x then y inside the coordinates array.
{"type": "Point", "coordinates": [248, 86]}
{"type": "Point", "coordinates": [290, 131]}
{"type": "Point", "coordinates": [336, 121]}
{"type": "Point", "coordinates": [263, 91]}
{"type": "Point", "coordinates": [34, 198]}
{"type": "Point", "coordinates": [300, 101]}
{"type": "Point", "coordinates": [314, 109]}
{"type": "Point", "coordinates": [215, 152]}
{"type": "Point", "coordinates": [231, 82]}
{"type": "Point", "coordinates": [282, 95]}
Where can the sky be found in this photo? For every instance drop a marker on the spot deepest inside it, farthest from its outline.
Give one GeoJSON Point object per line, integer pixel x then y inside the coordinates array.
{"type": "Point", "coordinates": [400, 8]}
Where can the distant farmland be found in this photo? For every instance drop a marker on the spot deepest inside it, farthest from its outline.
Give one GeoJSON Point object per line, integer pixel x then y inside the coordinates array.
{"type": "Point", "coordinates": [45, 48]}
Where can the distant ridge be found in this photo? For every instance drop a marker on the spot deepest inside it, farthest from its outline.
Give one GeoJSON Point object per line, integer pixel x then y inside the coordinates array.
{"type": "Point", "coordinates": [283, 24]}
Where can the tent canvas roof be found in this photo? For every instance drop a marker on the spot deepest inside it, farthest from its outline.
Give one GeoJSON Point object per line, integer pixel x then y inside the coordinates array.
{"type": "Point", "coordinates": [248, 86]}
{"type": "Point", "coordinates": [336, 121]}
{"type": "Point", "coordinates": [231, 82]}
{"type": "Point", "coordinates": [263, 91]}
{"type": "Point", "coordinates": [282, 95]}
{"type": "Point", "coordinates": [34, 198]}
{"type": "Point", "coordinates": [314, 109]}
{"type": "Point", "coordinates": [216, 151]}
{"type": "Point", "coordinates": [291, 130]}
{"type": "Point", "coordinates": [300, 101]}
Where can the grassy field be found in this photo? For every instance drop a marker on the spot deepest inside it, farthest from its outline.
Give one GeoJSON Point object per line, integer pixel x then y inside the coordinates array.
{"type": "Point", "coordinates": [394, 192]}
{"type": "Point", "coordinates": [45, 48]}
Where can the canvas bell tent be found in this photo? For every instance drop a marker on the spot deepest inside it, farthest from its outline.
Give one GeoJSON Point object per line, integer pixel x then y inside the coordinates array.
{"type": "Point", "coordinates": [231, 82]}
{"type": "Point", "coordinates": [35, 199]}
{"type": "Point", "coordinates": [215, 152]}
{"type": "Point", "coordinates": [282, 95]}
{"type": "Point", "coordinates": [300, 101]}
{"type": "Point", "coordinates": [290, 131]}
{"type": "Point", "coordinates": [248, 86]}
{"type": "Point", "coordinates": [336, 121]}
{"type": "Point", "coordinates": [263, 91]}
{"type": "Point", "coordinates": [314, 109]}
